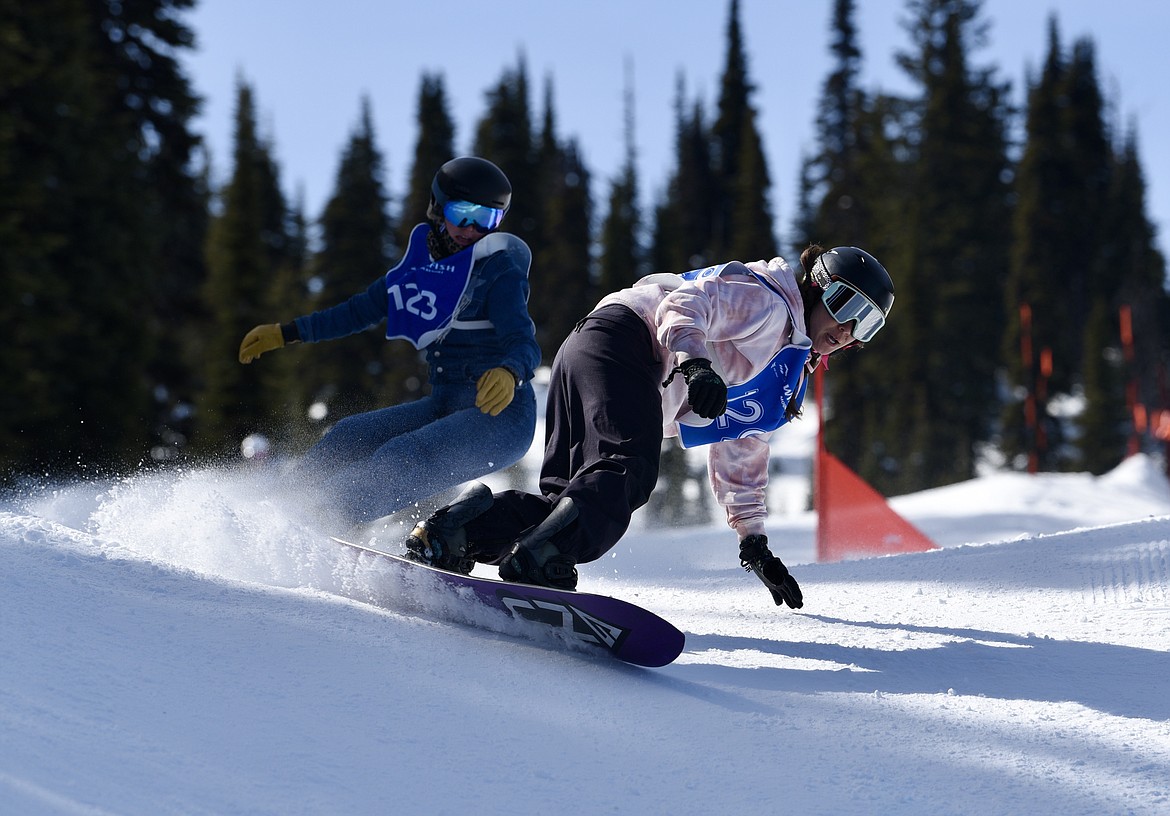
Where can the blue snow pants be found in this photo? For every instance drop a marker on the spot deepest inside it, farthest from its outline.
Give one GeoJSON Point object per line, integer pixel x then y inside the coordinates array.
{"type": "Point", "coordinates": [370, 465]}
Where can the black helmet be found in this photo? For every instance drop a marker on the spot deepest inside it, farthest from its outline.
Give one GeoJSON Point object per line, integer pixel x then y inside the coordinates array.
{"type": "Point", "coordinates": [861, 272]}
{"type": "Point", "coordinates": [470, 178]}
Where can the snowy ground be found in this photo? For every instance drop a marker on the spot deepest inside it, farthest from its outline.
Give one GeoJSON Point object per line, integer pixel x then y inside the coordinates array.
{"type": "Point", "coordinates": [176, 644]}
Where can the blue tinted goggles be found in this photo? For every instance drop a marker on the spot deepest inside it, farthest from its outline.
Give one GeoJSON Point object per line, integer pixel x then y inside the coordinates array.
{"type": "Point", "coordinates": [847, 304]}
{"type": "Point", "coordinates": [467, 214]}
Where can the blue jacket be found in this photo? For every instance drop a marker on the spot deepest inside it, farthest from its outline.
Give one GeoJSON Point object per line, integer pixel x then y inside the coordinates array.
{"type": "Point", "coordinates": [497, 292]}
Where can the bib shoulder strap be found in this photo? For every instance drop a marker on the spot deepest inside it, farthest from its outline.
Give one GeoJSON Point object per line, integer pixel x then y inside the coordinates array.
{"type": "Point", "coordinates": [498, 242]}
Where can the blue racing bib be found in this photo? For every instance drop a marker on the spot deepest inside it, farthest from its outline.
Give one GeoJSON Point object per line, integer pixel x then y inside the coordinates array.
{"type": "Point", "coordinates": [759, 405]}
{"type": "Point", "coordinates": [425, 295]}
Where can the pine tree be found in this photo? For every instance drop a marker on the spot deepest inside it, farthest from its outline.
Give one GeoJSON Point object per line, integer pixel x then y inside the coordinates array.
{"type": "Point", "coordinates": [540, 173]}
{"type": "Point", "coordinates": [854, 194]}
{"type": "Point", "coordinates": [435, 146]}
{"type": "Point", "coordinates": [1058, 269]}
{"type": "Point", "coordinates": [840, 213]}
{"type": "Point", "coordinates": [683, 220]}
{"type": "Point", "coordinates": [349, 375]}
{"type": "Point", "coordinates": [1136, 270]}
{"type": "Point", "coordinates": [1091, 163]}
{"type": "Point", "coordinates": [248, 244]}
{"type": "Point", "coordinates": [505, 136]}
{"type": "Point", "coordinates": [716, 205]}
{"type": "Point", "coordinates": [743, 223]}
{"type": "Point", "coordinates": [754, 235]}
{"type": "Point", "coordinates": [101, 202]}
{"type": "Point", "coordinates": [561, 277]}
{"type": "Point", "coordinates": [727, 134]}
{"type": "Point", "coordinates": [1038, 246]}
{"type": "Point", "coordinates": [621, 252]}
{"type": "Point", "coordinates": [955, 225]}
{"type": "Point", "coordinates": [48, 92]}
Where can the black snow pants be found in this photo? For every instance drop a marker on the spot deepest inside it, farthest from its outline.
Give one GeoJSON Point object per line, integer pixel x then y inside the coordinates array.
{"type": "Point", "coordinates": [603, 438]}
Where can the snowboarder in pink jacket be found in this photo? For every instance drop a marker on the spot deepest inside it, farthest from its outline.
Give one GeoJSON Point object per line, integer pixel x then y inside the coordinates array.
{"type": "Point", "coordinates": [719, 357]}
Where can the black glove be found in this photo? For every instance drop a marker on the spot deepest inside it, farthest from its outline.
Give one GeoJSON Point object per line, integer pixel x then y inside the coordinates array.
{"type": "Point", "coordinates": [754, 555]}
{"type": "Point", "coordinates": [706, 391]}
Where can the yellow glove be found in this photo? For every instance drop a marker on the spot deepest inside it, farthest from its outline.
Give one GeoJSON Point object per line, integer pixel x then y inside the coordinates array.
{"type": "Point", "coordinates": [494, 391]}
{"type": "Point", "coordinates": [259, 340]}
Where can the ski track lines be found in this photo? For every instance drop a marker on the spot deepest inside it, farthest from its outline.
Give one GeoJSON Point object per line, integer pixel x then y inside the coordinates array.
{"type": "Point", "coordinates": [1134, 574]}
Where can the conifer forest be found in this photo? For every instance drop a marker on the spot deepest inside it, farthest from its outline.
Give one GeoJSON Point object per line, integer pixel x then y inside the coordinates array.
{"type": "Point", "coordinates": [1025, 263]}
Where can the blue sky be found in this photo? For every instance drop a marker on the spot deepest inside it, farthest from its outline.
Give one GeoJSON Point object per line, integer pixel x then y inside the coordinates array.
{"type": "Point", "coordinates": [310, 64]}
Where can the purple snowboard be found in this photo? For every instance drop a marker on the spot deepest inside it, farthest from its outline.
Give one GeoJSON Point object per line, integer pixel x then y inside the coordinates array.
{"type": "Point", "coordinates": [628, 632]}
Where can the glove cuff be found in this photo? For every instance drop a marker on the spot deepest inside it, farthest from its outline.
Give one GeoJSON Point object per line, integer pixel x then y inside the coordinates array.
{"type": "Point", "coordinates": [687, 366]}
{"type": "Point", "coordinates": [753, 550]}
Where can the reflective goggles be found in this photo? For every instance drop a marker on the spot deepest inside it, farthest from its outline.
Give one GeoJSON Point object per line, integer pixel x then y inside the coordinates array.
{"type": "Point", "coordinates": [467, 214]}
{"type": "Point", "coordinates": [847, 304]}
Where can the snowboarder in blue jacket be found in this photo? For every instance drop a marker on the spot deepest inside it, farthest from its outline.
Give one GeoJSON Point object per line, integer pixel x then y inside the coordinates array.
{"type": "Point", "coordinates": [460, 293]}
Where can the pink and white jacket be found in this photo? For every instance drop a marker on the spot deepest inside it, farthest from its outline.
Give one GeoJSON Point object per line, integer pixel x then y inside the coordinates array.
{"type": "Point", "coordinates": [739, 324]}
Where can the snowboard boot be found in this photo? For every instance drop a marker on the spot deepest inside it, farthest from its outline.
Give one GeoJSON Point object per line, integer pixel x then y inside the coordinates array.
{"type": "Point", "coordinates": [441, 541]}
{"type": "Point", "coordinates": [535, 559]}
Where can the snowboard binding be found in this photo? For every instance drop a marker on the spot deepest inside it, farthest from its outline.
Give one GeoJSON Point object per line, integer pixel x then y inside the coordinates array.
{"type": "Point", "coordinates": [535, 559]}
{"type": "Point", "coordinates": [441, 540]}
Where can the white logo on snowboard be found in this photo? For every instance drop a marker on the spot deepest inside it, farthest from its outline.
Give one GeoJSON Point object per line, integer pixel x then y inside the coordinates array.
{"type": "Point", "coordinates": [590, 629]}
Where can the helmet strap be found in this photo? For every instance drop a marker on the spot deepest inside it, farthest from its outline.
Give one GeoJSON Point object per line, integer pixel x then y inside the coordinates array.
{"type": "Point", "coordinates": [820, 277]}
